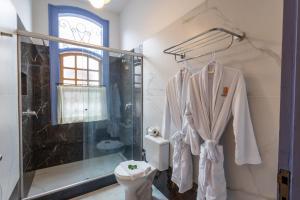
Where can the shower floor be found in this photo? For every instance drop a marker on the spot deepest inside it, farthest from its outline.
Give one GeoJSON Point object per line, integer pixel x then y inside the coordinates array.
{"type": "Point", "coordinates": [59, 176]}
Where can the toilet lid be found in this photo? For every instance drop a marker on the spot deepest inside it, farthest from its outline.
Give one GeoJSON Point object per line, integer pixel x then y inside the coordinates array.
{"type": "Point", "coordinates": [123, 173]}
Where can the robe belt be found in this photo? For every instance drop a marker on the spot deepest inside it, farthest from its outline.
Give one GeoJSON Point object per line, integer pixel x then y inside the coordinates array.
{"type": "Point", "coordinates": [209, 155]}
{"type": "Point", "coordinates": [178, 136]}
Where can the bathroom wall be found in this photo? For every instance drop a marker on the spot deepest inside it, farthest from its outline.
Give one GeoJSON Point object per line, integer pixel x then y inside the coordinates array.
{"type": "Point", "coordinates": [9, 133]}
{"type": "Point", "coordinates": [40, 17]}
{"type": "Point", "coordinates": [140, 19]}
{"type": "Point", "coordinates": [259, 57]}
{"type": "Point", "coordinates": [17, 14]}
{"type": "Point", "coordinates": [24, 10]}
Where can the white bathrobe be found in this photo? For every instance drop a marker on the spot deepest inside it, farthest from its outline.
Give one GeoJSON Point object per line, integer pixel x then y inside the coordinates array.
{"type": "Point", "coordinates": [213, 98]}
{"type": "Point", "coordinates": [175, 106]}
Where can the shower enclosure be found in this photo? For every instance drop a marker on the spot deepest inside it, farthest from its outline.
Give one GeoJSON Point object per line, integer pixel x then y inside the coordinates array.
{"type": "Point", "coordinates": [80, 113]}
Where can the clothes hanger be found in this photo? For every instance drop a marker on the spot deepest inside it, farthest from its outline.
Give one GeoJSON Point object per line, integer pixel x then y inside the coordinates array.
{"type": "Point", "coordinates": [212, 63]}
{"type": "Point", "coordinates": [185, 67]}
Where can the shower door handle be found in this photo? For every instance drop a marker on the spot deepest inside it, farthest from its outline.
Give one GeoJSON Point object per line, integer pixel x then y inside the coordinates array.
{"type": "Point", "coordinates": [128, 106]}
{"type": "Point", "coordinates": [30, 113]}
{"type": "Point", "coordinates": [1, 157]}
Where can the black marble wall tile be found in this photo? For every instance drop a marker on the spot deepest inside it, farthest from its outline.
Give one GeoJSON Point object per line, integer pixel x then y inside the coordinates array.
{"type": "Point", "coordinates": [126, 89]}
{"type": "Point", "coordinates": [115, 64]}
{"type": "Point", "coordinates": [27, 123]}
{"type": "Point", "coordinates": [44, 145]}
{"type": "Point", "coordinates": [26, 104]}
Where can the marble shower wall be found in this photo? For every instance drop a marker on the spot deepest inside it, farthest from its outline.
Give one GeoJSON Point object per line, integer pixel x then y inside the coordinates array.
{"type": "Point", "coordinates": [44, 145]}
{"type": "Point", "coordinates": [259, 57]}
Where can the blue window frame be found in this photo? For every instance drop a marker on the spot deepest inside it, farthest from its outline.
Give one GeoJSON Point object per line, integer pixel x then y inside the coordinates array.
{"type": "Point", "coordinates": [55, 50]}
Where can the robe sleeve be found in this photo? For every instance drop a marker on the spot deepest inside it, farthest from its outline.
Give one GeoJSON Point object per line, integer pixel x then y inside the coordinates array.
{"type": "Point", "coordinates": [246, 150]}
{"type": "Point", "coordinates": [166, 124]}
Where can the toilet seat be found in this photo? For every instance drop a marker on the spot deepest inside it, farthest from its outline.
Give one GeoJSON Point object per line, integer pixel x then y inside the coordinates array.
{"type": "Point", "coordinates": [123, 174]}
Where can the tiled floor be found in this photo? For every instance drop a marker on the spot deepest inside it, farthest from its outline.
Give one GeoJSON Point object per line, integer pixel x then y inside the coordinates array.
{"type": "Point", "coordinates": [170, 190]}
{"type": "Point", "coordinates": [115, 192]}
{"type": "Point", "coordinates": [63, 175]}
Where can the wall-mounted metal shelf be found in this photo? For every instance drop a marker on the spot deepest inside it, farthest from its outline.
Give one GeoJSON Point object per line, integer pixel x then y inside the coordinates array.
{"type": "Point", "coordinates": [183, 51]}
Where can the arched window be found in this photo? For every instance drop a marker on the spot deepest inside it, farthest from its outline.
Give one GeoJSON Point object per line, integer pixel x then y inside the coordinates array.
{"type": "Point", "coordinates": [80, 69]}
{"type": "Point", "coordinates": [80, 29]}
{"type": "Point", "coordinates": [75, 65]}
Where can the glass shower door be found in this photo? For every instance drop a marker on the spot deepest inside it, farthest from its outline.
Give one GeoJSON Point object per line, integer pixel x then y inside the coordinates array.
{"type": "Point", "coordinates": [78, 126]}
{"type": "Point", "coordinates": [109, 141]}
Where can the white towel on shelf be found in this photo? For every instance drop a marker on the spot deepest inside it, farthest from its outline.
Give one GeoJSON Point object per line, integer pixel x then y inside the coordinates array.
{"type": "Point", "coordinates": [142, 168]}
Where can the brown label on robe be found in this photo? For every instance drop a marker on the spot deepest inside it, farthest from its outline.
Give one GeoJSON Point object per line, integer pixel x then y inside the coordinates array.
{"type": "Point", "coordinates": [225, 91]}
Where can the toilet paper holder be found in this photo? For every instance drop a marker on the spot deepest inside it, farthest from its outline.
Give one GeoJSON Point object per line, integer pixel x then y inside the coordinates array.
{"type": "Point", "coordinates": [153, 131]}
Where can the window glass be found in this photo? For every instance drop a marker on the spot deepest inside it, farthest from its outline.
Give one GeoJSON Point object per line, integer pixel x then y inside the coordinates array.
{"type": "Point", "coordinates": [93, 64]}
{"type": "Point", "coordinates": [69, 82]}
{"type": "Point", "coordinates": [93, 83]}
{"type": "Point", "coordinates": [82, 62]}
{"type": "Point", "coordinates": [93, 75]}
{"type": "Point", "coordinates": [76, 63]}
{"type": "Point", "coordinates": [69, 61]}
{"type": "Point", "coordinates": [69, 73]}
{"type": "Point", "coordinates": [81, 74]}
{"type": "Point", "coordinates": [80, 29]}
{"type": "Point", "coordinates": [82, 83]}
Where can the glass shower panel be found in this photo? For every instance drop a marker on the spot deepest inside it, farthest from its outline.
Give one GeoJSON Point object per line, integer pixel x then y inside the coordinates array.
{"type": "Point", "coordinates": [109, 141]}
{"type": "Point", "coordinates": [79, 115]}
{"type": "Point", "coordinates": [137, 63]}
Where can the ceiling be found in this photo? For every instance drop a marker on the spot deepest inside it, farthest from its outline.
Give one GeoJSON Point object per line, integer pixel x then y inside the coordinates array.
{"type": "Point", "coordinates": [115, 5]}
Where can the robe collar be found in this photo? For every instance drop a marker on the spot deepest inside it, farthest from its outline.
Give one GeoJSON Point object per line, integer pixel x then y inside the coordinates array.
{"type": "Point", "coordinates": [217, 76]}
{"type": "Point", "coordinates": [181, 79]}
{"type": "Point", "coordinates": [177, 93]}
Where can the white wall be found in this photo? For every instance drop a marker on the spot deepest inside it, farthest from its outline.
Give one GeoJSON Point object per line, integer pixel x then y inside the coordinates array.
{"type": "Point", "coordinates": [259, 59]}
{"type": "Point", "coordinates": [142, 18]}
{"type": "Point", "coordinates": [23, 8]}
{"type": "Point", "coordinates": [40, 17]}
{"type": "Point", "coordinates": [9, 133]}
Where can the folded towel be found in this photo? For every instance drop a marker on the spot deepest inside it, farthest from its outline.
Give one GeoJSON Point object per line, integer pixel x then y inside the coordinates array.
{"type": "Point", "coordinates": [142, 168]}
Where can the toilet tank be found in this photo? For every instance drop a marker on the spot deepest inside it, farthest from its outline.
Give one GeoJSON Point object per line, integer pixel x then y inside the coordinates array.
{"type": "Point", "coordinates": [157, 152]}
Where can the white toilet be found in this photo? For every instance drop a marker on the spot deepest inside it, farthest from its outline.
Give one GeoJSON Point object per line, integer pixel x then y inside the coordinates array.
{"type": "Point", "coordinates": [138, 182]}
